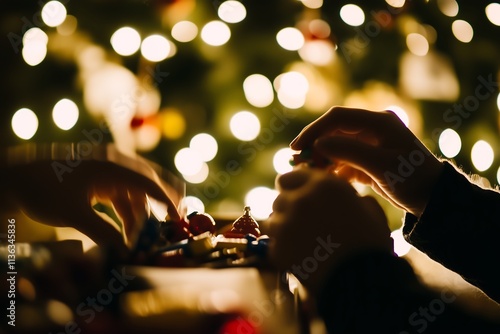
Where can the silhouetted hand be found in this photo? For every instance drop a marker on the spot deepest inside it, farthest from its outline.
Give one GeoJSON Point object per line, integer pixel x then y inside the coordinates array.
{"type": "Point", "coordinates": [377, 149]}
{"type": "Point", "coordinates": [68, 201]}
{"type": "Point", "coordinates": [318, 221]}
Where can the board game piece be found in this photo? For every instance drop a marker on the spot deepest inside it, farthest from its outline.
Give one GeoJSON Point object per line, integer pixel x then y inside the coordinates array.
{"type": "Point", "coordinates": [246, 224]}
{"type": "Point", "coordinates": [199, 223]}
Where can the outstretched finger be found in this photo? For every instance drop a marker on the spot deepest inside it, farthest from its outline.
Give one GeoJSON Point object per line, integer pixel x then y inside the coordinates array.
{"type": "Point", "coordinates": [102, 232]}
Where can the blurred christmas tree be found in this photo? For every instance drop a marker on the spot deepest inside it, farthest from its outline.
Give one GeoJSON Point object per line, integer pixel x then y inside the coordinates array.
{"type": "Point", "coordinates": [215, 90]}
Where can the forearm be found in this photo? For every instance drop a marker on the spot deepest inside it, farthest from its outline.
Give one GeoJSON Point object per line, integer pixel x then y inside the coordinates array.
{"type": "Point", "coordinates": [379, 293]}
{"type": "Point", "coordinates": [459, 228]}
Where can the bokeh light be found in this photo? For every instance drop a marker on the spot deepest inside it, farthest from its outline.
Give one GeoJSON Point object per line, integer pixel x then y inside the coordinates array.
{"type": "Point", "coordinates": [68, 27]}
{"type": "Point", "coordinates": [313, 4]}
{"type": "Point", "coordinates": [24, 123]}
{"type": "Point", "coordinates": [192, 203]}
{"type": "Point", "coordinates": [319, 28]}
{"type": "Point", "coordinates": [200, 176]}
{"type": "Point", "coordinates": [396, 3]}
{"type": "Point", "coordinates": [34, 52]}
{"type": "Point", "coordinates": [126, 41]}
{"type": "Point", "coordinates": [205, 144]}
{"type": "Point", "coordinates": [35, 34]}
{"type": "Point", "coordinates": [353, 15]}
{"type": "Point", "coordinates": [493, 13]}
{"type": "Point", "coordinates": [450, 143]}
{"type": "Point", "coordinates": [65, 114]}
{"type": "Point", "coordinates": [498, 176]}
{"type": "Point", "coordinates": [188, 161]}
{"type": "Point", "coordinates": [292, 88]}
{"type": "Point", "coordinates": [245, 126]}
{"type": "Point", "coordinates": [260, 200]}
{"type": "Point", "coordinates": [462, 31]}
{"type": "Point", "coordinates": [318, 52]}
{"type": "Point", "coordinates": [173, 124]}
{"type": "Point", "coordinates": [232, 11]}
{"type": "Point", "coordinates": [281, 160]}
{"type": "Point", "coordinates": [215, 33]}
{"type": "Point", "coordinates": [482, 155]}
{"type": "Point", "coordinates": [155, 48]}
{"type": "Point", "coordinates": [147, 137]}
{"type": "Point", "coordinates": [448, 7]}
{"type": "Point", "coordinates": [258, 90]}
{"type": "Point", "coordinates": [290, 38]}
{"type": "Point", "coordinates": [53, 13]}
{"type": "Point", "coordinates": [184, 31]}
{"type": "Point", "coordinates": [34, 46]}
{"type": "Point", "coordinates": [417, 44]}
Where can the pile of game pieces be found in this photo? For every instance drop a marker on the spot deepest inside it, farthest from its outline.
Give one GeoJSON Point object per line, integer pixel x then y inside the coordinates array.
{"type": "Point", "coordinates": [193, 242]}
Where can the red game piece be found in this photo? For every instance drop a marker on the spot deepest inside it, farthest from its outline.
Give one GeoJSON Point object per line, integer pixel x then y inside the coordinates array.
{"type": "Point", "coordinates": [200, 223]}
{"type": "Point", "coordinates": [246, 224]}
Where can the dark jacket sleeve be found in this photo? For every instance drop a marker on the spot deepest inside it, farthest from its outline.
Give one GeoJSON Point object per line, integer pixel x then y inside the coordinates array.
{"type": "Point", "coordinates": [379, 293]}
{"type": "Point", "coordinates": [460, 228]}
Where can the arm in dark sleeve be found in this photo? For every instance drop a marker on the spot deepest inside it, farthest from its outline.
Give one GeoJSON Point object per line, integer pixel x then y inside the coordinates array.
{"type": "Point", "coordinates": [379, 293]}
{"type": "Point", "coordinates": [460, 229]}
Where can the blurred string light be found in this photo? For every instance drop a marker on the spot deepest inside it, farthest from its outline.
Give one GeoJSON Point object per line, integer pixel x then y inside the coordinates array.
{"type": "Point", "coordinates": [147, 137]}
{"type": "Point", "coordinates": [215, 33]}
{"type": "Point", "coordinates": [498, 176]}
{"type": "Point", "coordinates": [34, 46]}
{"type": "Point", "coordinates": [260, 200]}
{"type": "Point", "coordinates": [155, 48]}
{"type": "Point", "coordinates": [188, 161]}
{"type": "Point", "coordinates": [245, 126]}
{"type": "Point", "coordinates": [184, 31]}
{"type": "Point", "coordinates": [317, 52]}
{"type": "Point", "coordinates": [232, 11]}
{"type": "Point", "coordinates": [448, 7]}
{"type": "Point", "coordinates": [314, 4]}
{"type": "Point", "coordinates": [173, 124]}
{"type": "Point", "coordinates": [68, 27]}
{"type": "Point", "coordinates": [292, 88]}
{"type": "Point", "coordinates": [258, 90]}
{"type": "Point", "coordinates": [290, 38]}
{"type": "Point", "coordinates": [126, 41]}
{"type": "Point", "coordinates": [198, 177]}
{"type": "Point", "coordinates": [65, 114]}
{"type": "Point", "coordinates": [498, 101]}
{"type": "Point", "coordinates": [24, 123]}
{"type": "Point", "coordinates": [53, 13]}
{"type": "Point", "coordinates": [482, 155]}
{"type": "Point", "coordinates": [205, 144]}
{"type": "Point", "coordinates": [319, 28]}
{"type": "Point", "coordinates": [396, 3]}
{"type": "Point", "coordinates": [192, 203]}
{"type": "Point", "coordinates": [417, 44]}
{"type": "Point", "coordinates": [281, 160]}
{"type": "Point", "coordinates": [401, 113]}
{"type": "Point", "coordinates": [462, 31]}
{"type": "Point", "coordinates": [352, 15]}
{"type": "Point", "coordinates": [493, 13]}
{"type": "Point", "coordinates": [450, 143]}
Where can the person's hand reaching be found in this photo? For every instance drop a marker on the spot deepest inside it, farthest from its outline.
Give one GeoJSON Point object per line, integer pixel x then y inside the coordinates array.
{"type": "Point", "coordinates": [68, 201]}
{"type": "Point", "coordinates": [377, 149]}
